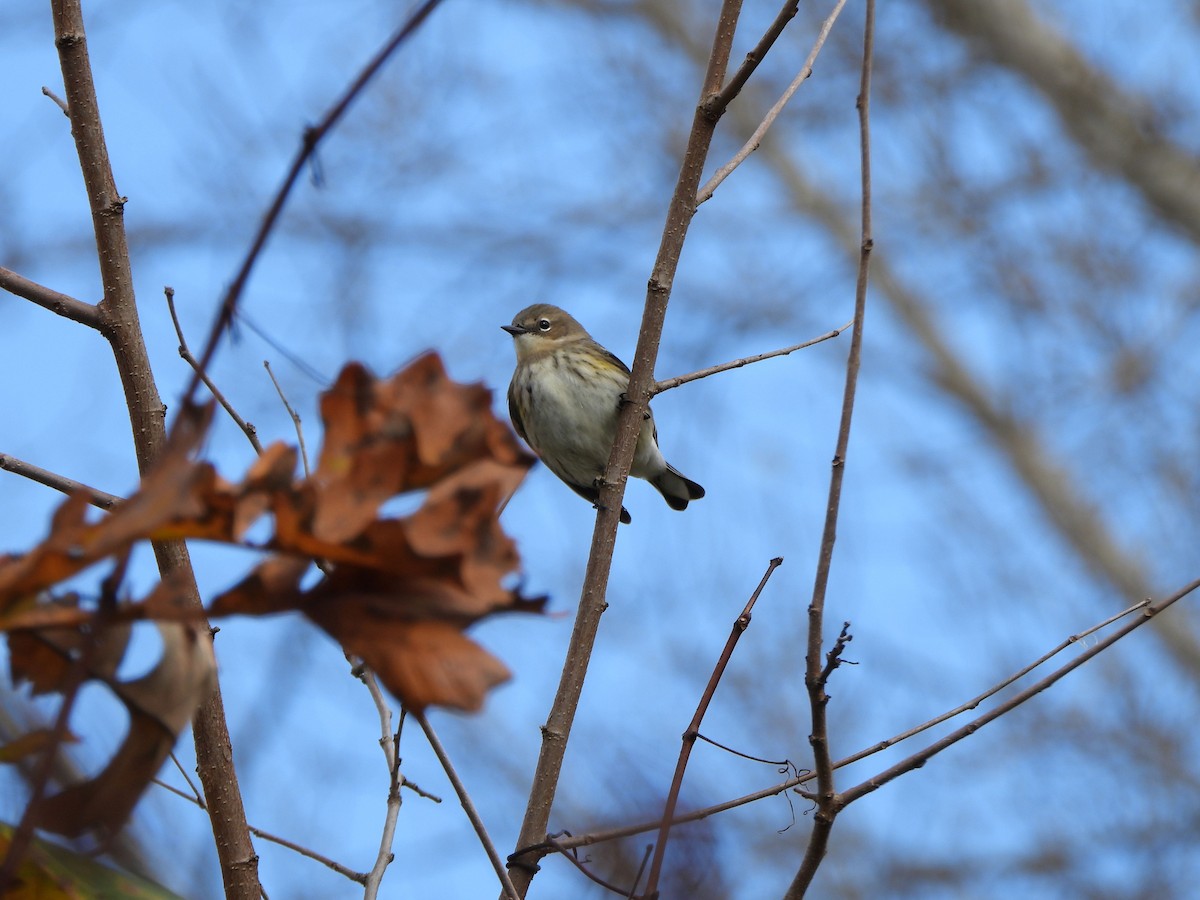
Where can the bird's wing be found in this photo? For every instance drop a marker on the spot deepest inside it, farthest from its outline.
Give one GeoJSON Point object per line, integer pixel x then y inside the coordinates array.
{"type": "Point", "coordinates": [514, 412]}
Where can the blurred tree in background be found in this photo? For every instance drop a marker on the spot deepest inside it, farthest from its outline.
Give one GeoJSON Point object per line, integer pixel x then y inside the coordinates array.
{"type": "Point", "coordinates": [1024, 456]}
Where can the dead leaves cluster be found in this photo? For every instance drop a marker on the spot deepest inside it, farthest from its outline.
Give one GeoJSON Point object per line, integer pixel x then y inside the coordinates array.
{"type": "Point", "coordinates": [397, 591]}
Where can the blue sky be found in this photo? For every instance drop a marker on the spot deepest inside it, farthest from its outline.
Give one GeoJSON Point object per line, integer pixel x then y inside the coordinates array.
{"type": "Point", "coordinates": [514, 153]}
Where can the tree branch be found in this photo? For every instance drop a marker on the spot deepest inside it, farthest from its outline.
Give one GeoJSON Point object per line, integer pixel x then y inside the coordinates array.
{"type": "Point", "coordinates": [214, 754]}
{"type": "Point", "coordinates": [815, 674]}
{"type": "Point", "coordinates": [60, 304]}
{"type": "Point", "coordinates": [312, 137]}
{"type": "Point", "coordinates": [509, 891]}
{"type": "Point", "coordinates": [668, 384]}
{"type": "Point", "coordinates": [592, 601]}
{"type": "Point", "coordinates": [96, 497]}
{"type": "Point", "coordinates": [755, 141]}
{"type": "Point", "coordinates": [693, 730]}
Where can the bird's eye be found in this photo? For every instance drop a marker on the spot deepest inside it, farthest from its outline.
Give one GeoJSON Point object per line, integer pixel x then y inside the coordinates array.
{"type": "Point", "coordinates": [544, 324]}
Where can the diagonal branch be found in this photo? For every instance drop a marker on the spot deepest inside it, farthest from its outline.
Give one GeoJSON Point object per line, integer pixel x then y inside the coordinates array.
{"type": "Point", "coordinates": [755, 140]}
{"type": "Point", "coordinates": [740, 624]}
{"type": "Point", "coordinates": [96, 497]}
{"type": "Point", "coordinates": [670, 383]}
{"type": "Point", "coordinates": [47, 298]}
{"type": "Point", "coordinates": [592, 603]}
{"type": "Point", "coordinates": [312, 137]}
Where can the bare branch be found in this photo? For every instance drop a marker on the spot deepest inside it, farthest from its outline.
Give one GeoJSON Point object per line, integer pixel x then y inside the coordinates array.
{"type": "Point", "coordinates": [308, 145]}
{"type": "Point", "coordinates": [755, 141]}
{"type": "Point", "coordinates": [96, 497]}
{"type": "Point", "coordinates": [509, 891]}
{"type": "Point", "coordinates": [60, 304]}
{"type": "Point", "coordinates": [740, 624]}
{"type": "Point", "coordinates": [671, 383]}
{"type": "Point", "coordinates": [247, 429]}
{"type": "Point", "coordinates": [735, 84]}
{"type": "Point", "coordinates": [390, 744]}
{"type": "Point", "coordinates": [815, 674]}
{"type": "Point", "coordinates": [295, 418]}
{"type": "Point", "coordinates": [919, 758]}
{"type": "Point", "coordinates": [359, 877]}
{"type": "Point", "coordinates": [59, 101]}
{"type": "Point", "coordinates": [592, 601]}
{"type": "Point", "coordinates": [147, 414]}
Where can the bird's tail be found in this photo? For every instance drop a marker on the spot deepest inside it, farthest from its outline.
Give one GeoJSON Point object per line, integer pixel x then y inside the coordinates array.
{"type": "Point", "coordinates": [677, 490]}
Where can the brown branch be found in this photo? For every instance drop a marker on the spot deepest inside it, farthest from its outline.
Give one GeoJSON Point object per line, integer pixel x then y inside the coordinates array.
{"type": "Point", "coordinates": [592, 876]}
{"type": "Point", "coordinates": [918, 759]}
{"type": "Point", "coordinates": [197, 800]}
{"type": "Point", "coordinates": [509, 890]}
{"type": "Point", "coordinates": [974, 702]}
{"type": "Point", "coordinates": [670, 383]}
{"type": "Point", "coordinates": [755, 141]}
{"type": "Point", "coordinates": [592, 603]}
{"type": "Point", "coordinates": [582, 840]}
{"type": "Point", "coordinates": [740, 624]}
{"type": "Point", "coordinates": [214, 753]}
{"type": "Point", "coordinates": [308, 145]}
{"type": "Point", "coordinates": [359, 877]}
{"type": "Point", "coordinates": [735, 84]}
{"type": "Point", "coordinates": [247, 429]}
{"type": "Point", "coordinates": [96, 497]}
{"type": "Point", "coordinates": [60, 304]}
{"type": "Point", "coordinates": [815, 675]}
{"type": "Point", "coordinates": [295, 418]}
{"type": "Point", "coordinates": [390, 744]}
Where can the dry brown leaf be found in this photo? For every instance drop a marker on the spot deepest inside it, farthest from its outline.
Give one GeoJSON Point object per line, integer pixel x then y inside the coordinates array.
{"type": "Point", "coordinates": [160, 704]}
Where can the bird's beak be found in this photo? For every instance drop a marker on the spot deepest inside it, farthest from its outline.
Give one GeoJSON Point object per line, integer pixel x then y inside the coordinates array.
{"type": "Point", "coordinates": [515, 330]}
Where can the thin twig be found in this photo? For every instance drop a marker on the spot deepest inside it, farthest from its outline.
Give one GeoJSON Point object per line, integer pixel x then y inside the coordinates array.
{"type": "Point", "coordinates": [815, 674]}
{"type": "Point", "coordinates": [510, 891]}
{"type": "Point", "coordinates": [740, 624]}
{"type": "Point", "coordinates": [919, 759]}
{"type": "Point", "coordinates": [735, 84]}
{"type": "Point", "coordinates": [295, 418]}
{"type": "Point", "coordinates": [59, 101]}
{"type": "Point", "coordinates": [249, 430]}
{"type": "Point", "coordinates": [119, 323]}
{"type": "Point", "coordinates": [390, 744]}
{"type": "Point", "coordinates": [308, 145]}
{"type": "Point", "coordinates": [591, 876]}
{"type": "Point", "coordinates": [359, 877]}
{"type": "Point", "coordinates": [669, 383]}
{"type": "Point", "coordinates": [61, 304]}
{"type": "Point", "coordinates": [974, 702]}
{"type": "Point", "coordinates": [188, 779]}
{"type": "Point", "coordinates": [625, 831]}
{"type": "Point", "coordinates": [756, 139]}
{"type": "Point", "coordinates": [96, 497]}
{"type": "Point", "coordinates": [197, 800]}
{"type": "Point", "coordinates": [592, 603]}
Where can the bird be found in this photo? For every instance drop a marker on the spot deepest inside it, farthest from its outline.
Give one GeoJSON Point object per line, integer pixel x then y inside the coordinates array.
{"type": "Point", "coordinates": [564, 397]}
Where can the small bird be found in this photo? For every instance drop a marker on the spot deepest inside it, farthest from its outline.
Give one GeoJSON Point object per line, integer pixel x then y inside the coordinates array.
{"type": "Point", "coordinates": [564, 398]}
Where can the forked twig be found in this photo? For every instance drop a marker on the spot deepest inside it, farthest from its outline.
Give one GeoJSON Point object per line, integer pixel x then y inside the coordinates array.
{"type": "Point", "coordinates": [247, 429]}
{"type": "Point", "coordinates": [312, 137]}
{"type": "Point", "coordinates": [740, 624]}
{"type": "Point", "coordinates": [509, 890]}
{"type": "Point", "coordinates": [751, 145]}
{"type": "Point", "coordinates": [815, 674]}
